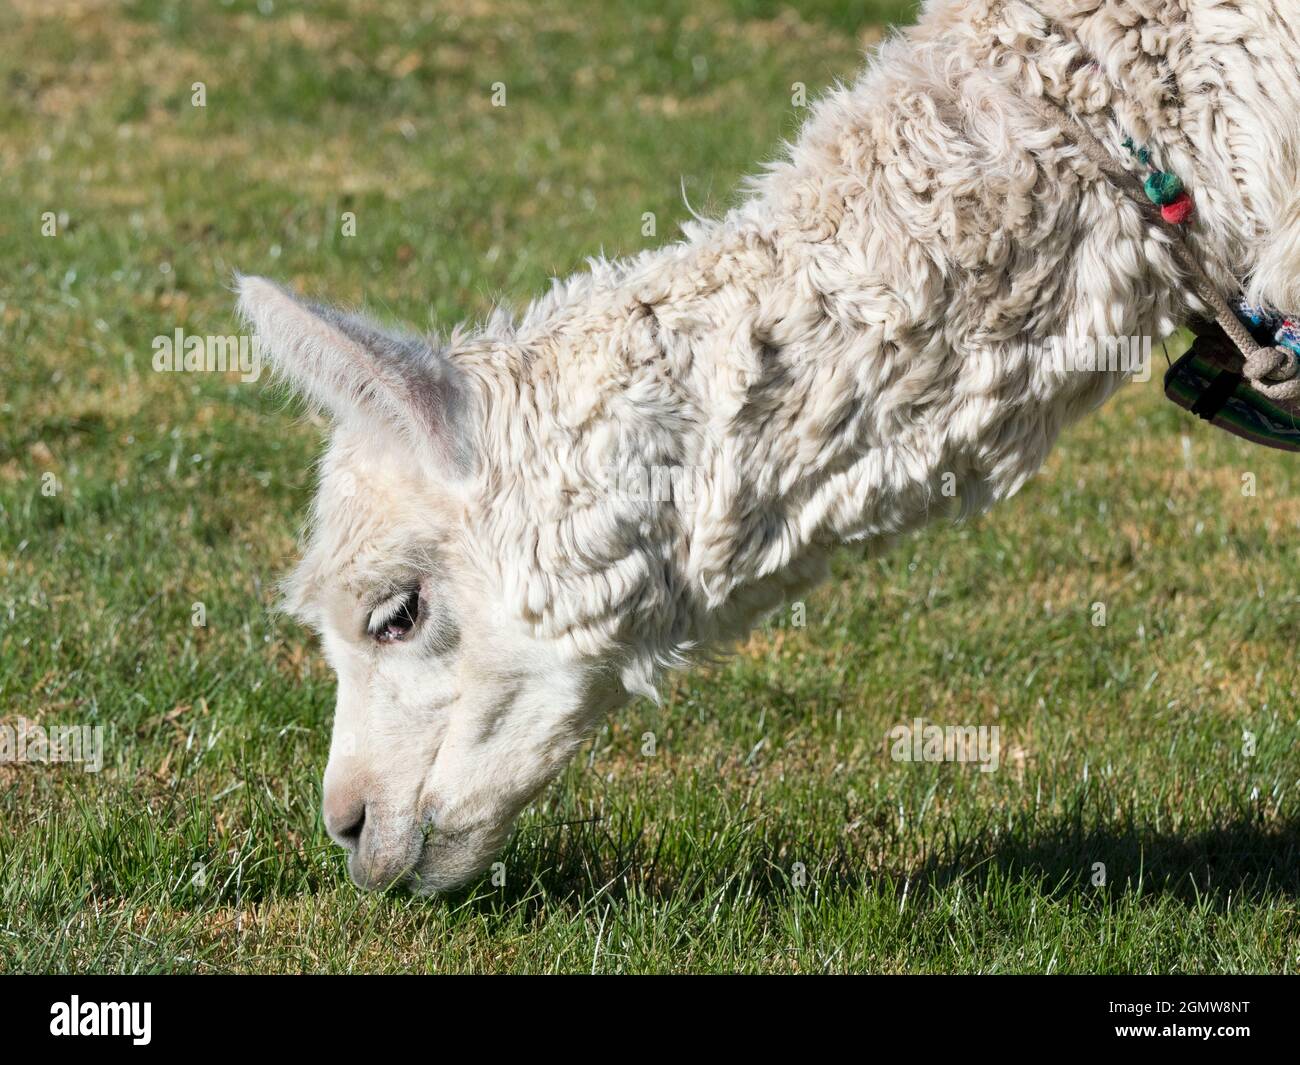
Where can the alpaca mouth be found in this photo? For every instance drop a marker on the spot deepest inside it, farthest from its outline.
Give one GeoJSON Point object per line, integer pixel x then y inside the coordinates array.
{"type": "Point", "coordinates": [449, 860]}
{"type": "Point", "coordinates": [428, 831]}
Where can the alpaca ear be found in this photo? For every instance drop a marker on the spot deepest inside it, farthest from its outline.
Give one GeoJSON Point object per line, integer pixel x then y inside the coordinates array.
{"type": "Point", "coordinates": [346, 365]}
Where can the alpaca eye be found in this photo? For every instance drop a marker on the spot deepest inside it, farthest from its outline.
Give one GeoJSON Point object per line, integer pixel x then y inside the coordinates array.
{"type": "Point", "coordinates": [395, 619]}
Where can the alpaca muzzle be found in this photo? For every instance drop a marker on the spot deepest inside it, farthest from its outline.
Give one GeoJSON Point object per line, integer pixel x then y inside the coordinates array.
{"type": "Point", "coordinates": [383, 845]}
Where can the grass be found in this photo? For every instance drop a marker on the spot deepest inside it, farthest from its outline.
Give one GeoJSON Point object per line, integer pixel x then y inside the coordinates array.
{"type": "Point", "coordinates": [770, 831]}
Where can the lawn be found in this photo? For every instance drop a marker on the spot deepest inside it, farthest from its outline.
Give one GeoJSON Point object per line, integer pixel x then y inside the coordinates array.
{"type": "Point", "coordinates": [1129, 622]}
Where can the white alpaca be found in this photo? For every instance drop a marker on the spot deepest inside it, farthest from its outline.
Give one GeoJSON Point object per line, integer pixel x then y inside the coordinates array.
{"type": "Point", "coordinates": [486, 566]}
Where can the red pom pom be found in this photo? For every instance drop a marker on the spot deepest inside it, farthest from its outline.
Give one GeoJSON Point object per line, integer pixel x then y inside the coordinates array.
{"type": "Point", "coordinates": [1179, 210]}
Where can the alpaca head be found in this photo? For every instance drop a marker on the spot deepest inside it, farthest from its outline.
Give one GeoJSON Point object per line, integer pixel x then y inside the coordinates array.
{"type": "Point", "coordinates": [452, 712]}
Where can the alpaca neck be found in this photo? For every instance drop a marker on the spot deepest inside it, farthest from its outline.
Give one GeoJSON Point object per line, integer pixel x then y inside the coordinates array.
{"type": "Point", "coordinates": [859, 347]}
{"type": "Point", "coordinates": [1214, 92]}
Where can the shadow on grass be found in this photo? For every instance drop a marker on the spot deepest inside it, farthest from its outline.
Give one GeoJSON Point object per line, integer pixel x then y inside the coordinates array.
{"type": "Point", "coordinates": [1240, 861]}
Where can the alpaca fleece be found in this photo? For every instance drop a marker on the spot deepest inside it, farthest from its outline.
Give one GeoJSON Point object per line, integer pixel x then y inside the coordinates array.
{"type": "Point", "coordinates": [873, 316]}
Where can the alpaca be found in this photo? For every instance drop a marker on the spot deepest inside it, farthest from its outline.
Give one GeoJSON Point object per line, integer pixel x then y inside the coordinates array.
{"type": "Point", "coordinates": [486, 569]}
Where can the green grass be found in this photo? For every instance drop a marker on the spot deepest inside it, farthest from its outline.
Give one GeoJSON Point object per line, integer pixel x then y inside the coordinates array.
{"type": "Point", "coordinates": [770, 831]}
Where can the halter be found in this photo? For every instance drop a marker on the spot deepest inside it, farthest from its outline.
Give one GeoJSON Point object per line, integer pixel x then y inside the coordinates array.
{"type": "Point", "coordinates": [1243, 372]}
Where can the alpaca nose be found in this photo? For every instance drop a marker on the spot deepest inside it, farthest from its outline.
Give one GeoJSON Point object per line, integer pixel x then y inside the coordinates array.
{"type": "Point", "coordinates": [382, 842]}
{"type": "Point", "coordinates": [345, 826]}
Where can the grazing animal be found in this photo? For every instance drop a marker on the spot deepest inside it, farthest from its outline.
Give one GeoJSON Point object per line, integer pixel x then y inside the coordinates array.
{"type": "Point", "coordinates": [494, 562]}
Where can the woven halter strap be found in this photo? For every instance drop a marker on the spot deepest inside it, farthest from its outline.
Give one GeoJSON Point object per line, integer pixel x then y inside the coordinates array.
{"type": "Point", "coordinates": [1273, 371]}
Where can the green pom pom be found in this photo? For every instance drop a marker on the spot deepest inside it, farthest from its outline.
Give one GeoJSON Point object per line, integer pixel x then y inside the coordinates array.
{"type": "Point", "coordinates": [1163, 188]}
